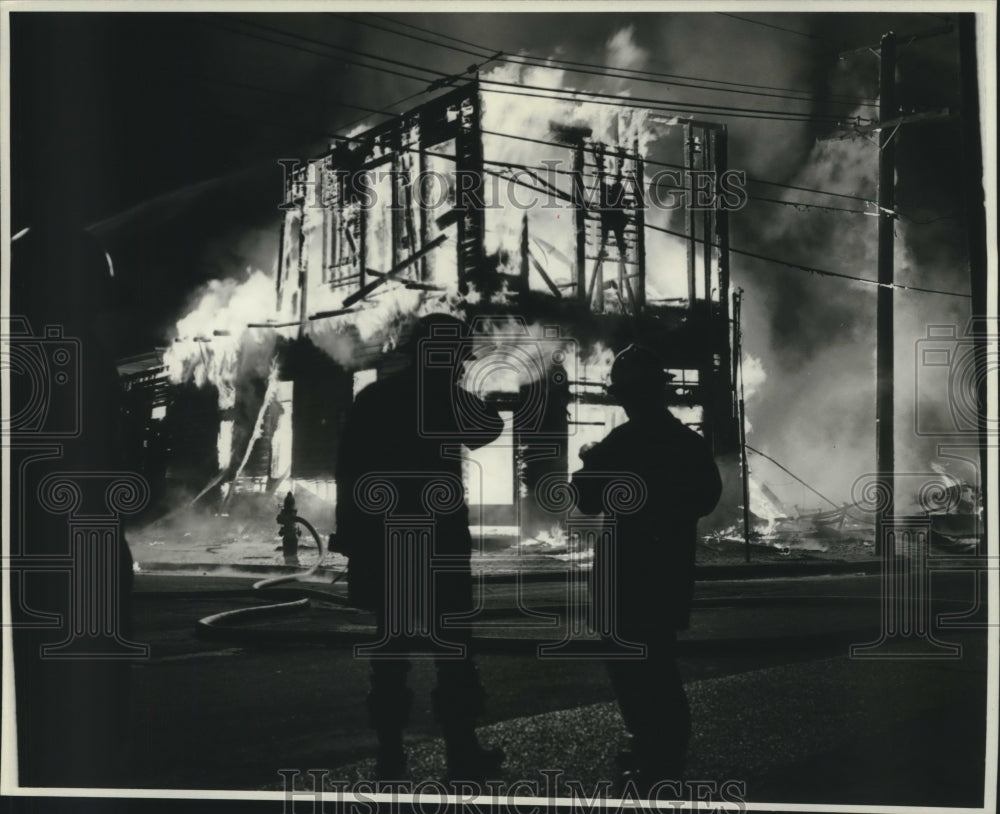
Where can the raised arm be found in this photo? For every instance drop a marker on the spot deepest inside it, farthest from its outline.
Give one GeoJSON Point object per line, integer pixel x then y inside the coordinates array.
{"type": "Point", "coordinates": [480, 423]}
{"type": "Point", "coordinates": [589, 481]}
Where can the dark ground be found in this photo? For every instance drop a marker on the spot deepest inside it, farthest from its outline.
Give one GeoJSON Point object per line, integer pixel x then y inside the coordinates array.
{"type": "Point", "coordinates": [777, 702]}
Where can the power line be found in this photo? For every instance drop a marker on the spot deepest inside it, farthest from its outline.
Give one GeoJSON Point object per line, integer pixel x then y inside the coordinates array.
{"type": "Point", "coordinates": [811, 189]}
{"type": "Point", "coordinates": [788, 264]}
{"type": "Point", "coordinates": [594, 97]}
{"type": "Point", "coordinates": [827, 273]}
{"type": "Point", "coordinates": [427, 31]}
{"type": "Point", "coordinates": [546, 189]}
{"type": "Point", "coordinates": [662, 105]}
{"type": "Point", "coordinates": [834, 46]}
{"type": "Point", "coordinates": [671, 79]}
{"type": "Point", "coordinates": [554, 62]}
{"type": "Point", "coordinates": [412, 36]}
{"type": "Point", "coordinates": [813, 270]}
{"type": "Point", "coordinates": [733, 250]}
{"type": "Point", "coordinates": [798, 205]}
{"type": "Point", "coordinates": [789, 472]}
{"type": "Point", "coordinates": [653, 162]}
{"type": "Point", "coordinates": [612, 72]}
{"type": "Point", "coordinates": [927, 221]}
{"type": "Point", "coordinates": [383, 111]}
{"type": "Point", "coordinates": [802, 207]}
{"type": "Point", "coordinates": [311, 40]}
{"type": "Point", "coordinates": [535, 170]}
{"type": "Point", "coordinates": [678, 108]}
{"type": "Point", "coordinates": [807, 206]}
{"type": "Point", "coordinates": [287, 125]}
{"type": "Point", "coordinates": [322, 54]}
{"type": "Point", "coordinates": [442, 74]}
{"type": "Point", "coordinates": [233, 83]}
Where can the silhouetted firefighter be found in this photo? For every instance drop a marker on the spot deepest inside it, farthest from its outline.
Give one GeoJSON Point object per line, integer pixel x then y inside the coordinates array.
{"type": "Point", "coordinates": [72, 701]}
{"type": "Point", "coordinates": [653, 560]}
{"type": "Point", "coordinates": [401, 504]}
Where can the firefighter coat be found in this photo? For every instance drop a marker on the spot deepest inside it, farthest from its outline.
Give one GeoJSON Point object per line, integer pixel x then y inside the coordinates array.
{"type": "Point", "coordinates": [671, 470]}
{"type": "Point", "coordinates": [399, 471]}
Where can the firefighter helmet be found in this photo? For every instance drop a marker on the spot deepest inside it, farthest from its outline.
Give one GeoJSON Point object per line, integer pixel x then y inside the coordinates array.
{"type": "Point", "coordinates": [637, 369]}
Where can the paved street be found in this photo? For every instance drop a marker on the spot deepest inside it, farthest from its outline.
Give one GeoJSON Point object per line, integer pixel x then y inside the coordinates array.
{"type": "Point", "coordinates": [777, 703]}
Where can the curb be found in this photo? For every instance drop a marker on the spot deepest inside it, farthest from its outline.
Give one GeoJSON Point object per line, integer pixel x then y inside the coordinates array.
{"type": "Point", "coordinates": [701, 572]}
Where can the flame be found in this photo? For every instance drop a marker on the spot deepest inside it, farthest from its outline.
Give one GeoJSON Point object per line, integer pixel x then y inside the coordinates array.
{"type": "Point", "coordinates": [763, 507]}
{"type": "Point", "coordinates": [554, 542]}
{"type": "Point", "coordinates": [258, 427]}
{"type": "Point", "coordinates": [595, 363]}
{"type": "Point", "coordinates": [213, 343]}
{"type": "Point", "coordinates": [380, 323]}
{"type": "Point", "coordinates": [532, 120]}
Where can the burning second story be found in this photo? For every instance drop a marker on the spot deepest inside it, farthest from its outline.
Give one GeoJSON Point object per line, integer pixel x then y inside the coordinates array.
{"type": "Point", "coordinates": [534, 228]}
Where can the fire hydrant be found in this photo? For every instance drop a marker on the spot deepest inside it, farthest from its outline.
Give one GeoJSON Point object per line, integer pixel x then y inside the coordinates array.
{"type": "Point", "coordinates": [289, 530]}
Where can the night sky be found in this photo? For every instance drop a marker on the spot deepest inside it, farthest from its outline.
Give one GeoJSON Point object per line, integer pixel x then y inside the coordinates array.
{"type": "Point", "coordinates": [162, 132]}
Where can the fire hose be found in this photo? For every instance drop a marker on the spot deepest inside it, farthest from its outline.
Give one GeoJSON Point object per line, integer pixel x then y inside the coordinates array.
{"type": "Point", "coordinates": [229, 625]}
{"type": "Point", "coordinates": [288, 521]}
{"type": "Point", "coordinates": [267, 583]}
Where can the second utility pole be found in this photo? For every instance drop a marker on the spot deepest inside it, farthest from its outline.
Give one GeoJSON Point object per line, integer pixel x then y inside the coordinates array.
{"type": "Point", "coordinates": [885, 348]}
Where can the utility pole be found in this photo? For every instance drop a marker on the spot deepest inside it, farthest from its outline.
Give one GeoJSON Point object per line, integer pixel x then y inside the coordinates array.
{"type": "Point", "coordinates": [691, 217]}
{"type": "Point", "coordinates": [890, 120]}
{"type": "Point", "coordinates": [524, 282]}
{"type": "Point", "coordinates": [580, 221]}
{"type": "Point", "coordinates": [885, 345]}
{"type": "Point", "coordinates": [741, 415]}
{"type": "Point", "coordinates": [975, 215]}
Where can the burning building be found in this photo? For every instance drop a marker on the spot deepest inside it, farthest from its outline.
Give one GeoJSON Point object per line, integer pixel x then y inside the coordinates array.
{"type": "Point", "coordinates": [416, 215]}
{"type": "Point", "coordinates": [538, 239]}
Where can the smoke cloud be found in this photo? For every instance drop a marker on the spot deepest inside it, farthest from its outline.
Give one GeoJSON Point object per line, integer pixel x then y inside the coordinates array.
{"type": "Point", "coordinates": [808, 362]}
